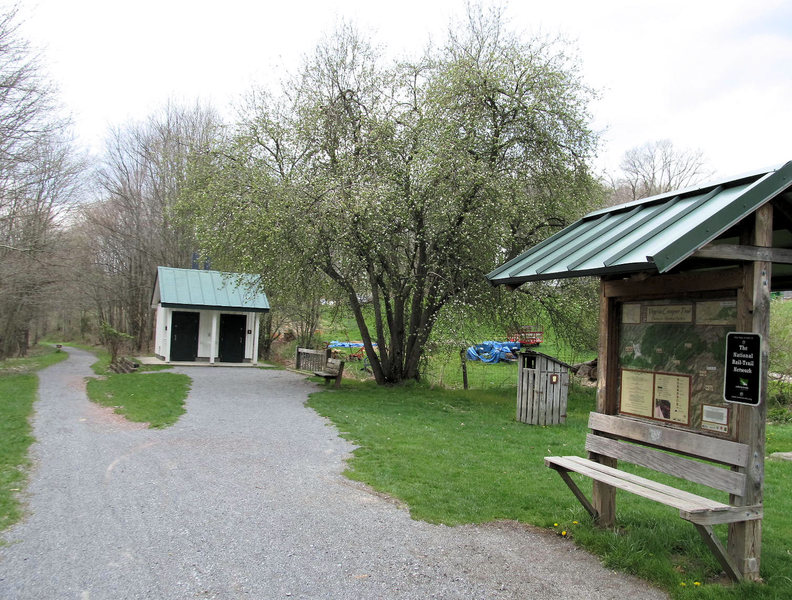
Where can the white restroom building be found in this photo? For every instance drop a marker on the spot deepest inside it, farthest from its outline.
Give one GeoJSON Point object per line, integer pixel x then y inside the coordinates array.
{"type": "Point", "coordinates": [207, 316]}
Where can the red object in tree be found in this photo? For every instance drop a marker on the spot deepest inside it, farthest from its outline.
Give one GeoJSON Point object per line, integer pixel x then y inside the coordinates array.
{"type": "Point", "coordinates": [527, 335]}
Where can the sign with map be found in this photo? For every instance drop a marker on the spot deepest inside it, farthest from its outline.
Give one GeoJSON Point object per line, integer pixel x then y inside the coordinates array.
{"type": "Point", "coordinates": [671, 361]}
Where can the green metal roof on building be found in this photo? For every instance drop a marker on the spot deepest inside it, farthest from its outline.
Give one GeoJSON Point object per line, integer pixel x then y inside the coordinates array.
{"type": "Point", "coordinates": [208, 290]}
{"type": "Point", "coordinates": [653, 234]}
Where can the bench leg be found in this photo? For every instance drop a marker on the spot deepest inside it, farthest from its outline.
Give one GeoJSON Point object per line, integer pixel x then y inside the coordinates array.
{"type": "Point", "coordinates": [340, 374]}
{"type": "Point", "coordinates": [715, 545]}
{"type": "Point", "coordinates": [578, 494]}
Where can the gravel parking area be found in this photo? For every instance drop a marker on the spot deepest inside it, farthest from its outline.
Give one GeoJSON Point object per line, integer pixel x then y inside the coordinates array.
{"type": "Point", "coordinates": [243, 498]}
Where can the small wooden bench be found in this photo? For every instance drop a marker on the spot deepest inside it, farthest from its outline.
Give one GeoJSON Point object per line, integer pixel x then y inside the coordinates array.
{"type": "Point", "coordinates": [669, 451]}
{"type": "Point", "coordinates": [308, 359]}
{"type": "Point", "coordinates": [122, 365]}
{"type": "Point", "coordinates": [334, 369]}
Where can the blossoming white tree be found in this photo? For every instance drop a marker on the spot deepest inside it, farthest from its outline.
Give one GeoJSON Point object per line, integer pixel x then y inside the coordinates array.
{"type": "Point", "coordinates": [405, 184]}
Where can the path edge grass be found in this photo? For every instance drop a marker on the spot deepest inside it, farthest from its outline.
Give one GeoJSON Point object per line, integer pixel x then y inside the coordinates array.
{"type": "Point", "coordinates": [157, 399]}
{"type": "Point", "coordinates": [132, 396]}
{"type": "Point", "coordinates": [649, 542]}
{"type": "Point", "coordinates": [19, 392]}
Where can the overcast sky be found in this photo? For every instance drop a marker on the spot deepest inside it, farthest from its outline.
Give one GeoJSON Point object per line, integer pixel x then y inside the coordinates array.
{"type": "Point", "coordinates": [708, 75]}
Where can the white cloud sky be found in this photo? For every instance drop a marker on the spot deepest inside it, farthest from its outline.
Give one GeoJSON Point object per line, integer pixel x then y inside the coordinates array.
{"type": "Point", "coordinates": [708, 75]}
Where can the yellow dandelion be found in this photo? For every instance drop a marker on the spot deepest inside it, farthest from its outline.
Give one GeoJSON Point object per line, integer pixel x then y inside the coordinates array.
{"type": "Point", "coordinates": [683, 584]}
{"type": "Point", "coordinates": [563, 533]}
{"type": "Point", "coordinates": [574, 522]}
{"type": "Point", "coordinates": [696, 583]}
{"type": "Point", "coordinates": [555, 524]}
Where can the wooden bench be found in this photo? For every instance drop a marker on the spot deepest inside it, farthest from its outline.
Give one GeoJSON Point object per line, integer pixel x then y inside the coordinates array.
{"type": "Point", "coordinates": [122, 365]}
{"type": "Point", "coordinates": [308, 359]}
{"type": "Point", "coordinates": [334, 369]}
{"type": "Point", "coordinates": [674, 452]}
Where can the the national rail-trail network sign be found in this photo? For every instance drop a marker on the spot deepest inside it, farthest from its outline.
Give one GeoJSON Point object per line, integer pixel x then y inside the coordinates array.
{"type": "Point", "coordinates": [743, 372]}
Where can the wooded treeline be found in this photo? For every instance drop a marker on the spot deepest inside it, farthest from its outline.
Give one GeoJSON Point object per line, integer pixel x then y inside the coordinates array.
{"type": "Point", "coordinates": [80, 239]}
{"type": "Point", "coordinates": [130, 229]}
{"type": "Point", "coordinates": [391, 186]}
{"type": "Point", "coordinates": [38, 180]}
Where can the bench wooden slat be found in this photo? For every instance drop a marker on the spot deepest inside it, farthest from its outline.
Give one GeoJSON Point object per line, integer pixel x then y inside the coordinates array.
{"type": "Point", "coordinates": [679, 499]}
{"type": "Point", "coordinates": [702, 446]}
{"type": "Point", "coordinates": [731, 515]}
{"type": "Point", "coordinates": [706, 474]}
{"type": "Point", "coordinates": [308, 359]}
{"type": "Point", "coordinates": [334, 369]}
{"type": "Point", "coordinates": [333, 365]}
{"type": "Point", "coordinates": [312, 351]}
{"type": "Point", "coordinates": [703, 502]}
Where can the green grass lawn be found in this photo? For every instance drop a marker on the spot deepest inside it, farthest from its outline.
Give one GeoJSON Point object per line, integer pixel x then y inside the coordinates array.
{"type": "Point", "coordinates": [18, 389]}
{"type": "Point", "coordinates": [444, 367]}
{"type": "Point", "coordinates": [445, 370]}
{"type": "Point", "coordinates": [158, 402]}
{"type": "Point", "coordinates": [460, 457]}
{"type": "Point", "coordinates": [156, 399]}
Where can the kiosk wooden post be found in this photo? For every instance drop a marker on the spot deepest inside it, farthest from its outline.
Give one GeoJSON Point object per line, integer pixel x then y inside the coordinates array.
{"type": "Point", "coordinates": [604, 496]}
{"type": "Point", "coordinates": [753, 314]}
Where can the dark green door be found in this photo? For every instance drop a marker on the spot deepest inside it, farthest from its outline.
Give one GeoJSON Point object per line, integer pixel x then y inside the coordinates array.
{"type": "Point", "coordinates": [232, 338]}
{"type": "Point", "coordinates": [184, 335]}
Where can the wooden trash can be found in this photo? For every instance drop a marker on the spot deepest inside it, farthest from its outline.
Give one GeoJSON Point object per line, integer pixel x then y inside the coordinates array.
{"type": "Point", "coordinates": [542, 389]}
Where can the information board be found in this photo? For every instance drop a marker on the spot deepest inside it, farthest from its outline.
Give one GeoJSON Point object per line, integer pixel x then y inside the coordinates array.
{"type": "Point", "coordinates": [671, 362]}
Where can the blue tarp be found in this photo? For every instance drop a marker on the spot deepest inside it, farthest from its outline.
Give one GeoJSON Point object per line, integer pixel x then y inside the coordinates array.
{"type": "Point", "coordinates": [492, 352]}
{"type": "Point", "coordinates": [337, 344]}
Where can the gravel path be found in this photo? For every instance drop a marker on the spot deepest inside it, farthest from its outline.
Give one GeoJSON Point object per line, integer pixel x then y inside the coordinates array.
{"type": "Point", "coordinates": [243, 498]}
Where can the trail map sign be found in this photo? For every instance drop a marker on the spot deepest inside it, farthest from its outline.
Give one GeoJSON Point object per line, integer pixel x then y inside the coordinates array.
{"type": "Point", "coordinates": [671, 362]}
{"type": "Point", "coordinates": [742, 378]}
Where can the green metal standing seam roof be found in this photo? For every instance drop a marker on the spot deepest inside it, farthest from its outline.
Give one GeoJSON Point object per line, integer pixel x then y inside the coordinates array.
{"type": "Point", "coordinates": [653, 234]}
{"type": "Point", "coordinates": [196, 289]}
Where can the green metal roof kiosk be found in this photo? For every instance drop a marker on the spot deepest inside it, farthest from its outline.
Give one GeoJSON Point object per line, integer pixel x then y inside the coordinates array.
{"type": "Point", "coordinates": [679, 273]}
